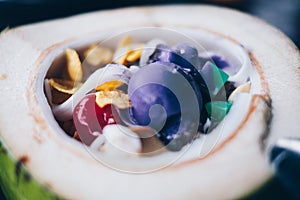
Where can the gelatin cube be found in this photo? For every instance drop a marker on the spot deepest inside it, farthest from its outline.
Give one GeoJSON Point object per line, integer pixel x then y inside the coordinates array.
{"type": "Point", "coordinates": [217, 110]}
{"type": "Point", "coordinates": [214, 77]}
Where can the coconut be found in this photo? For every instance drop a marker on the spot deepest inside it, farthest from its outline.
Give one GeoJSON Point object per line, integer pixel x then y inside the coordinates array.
{"type": "Point", "coordinates": [39, 161]}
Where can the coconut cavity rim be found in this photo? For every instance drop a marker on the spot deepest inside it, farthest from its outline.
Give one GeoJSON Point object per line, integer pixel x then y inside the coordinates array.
{"type": "Point", "coordinates": [157, 95]}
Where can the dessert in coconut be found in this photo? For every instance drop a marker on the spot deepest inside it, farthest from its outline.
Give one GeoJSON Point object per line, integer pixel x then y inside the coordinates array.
{"type": "Point", "coordinates": [157, 107]}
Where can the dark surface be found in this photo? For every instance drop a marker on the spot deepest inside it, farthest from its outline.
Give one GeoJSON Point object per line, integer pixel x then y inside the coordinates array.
{"type": "Point", "coordinates": [284, 14]}
{"type": "Point", "coordinates": [286, 160]}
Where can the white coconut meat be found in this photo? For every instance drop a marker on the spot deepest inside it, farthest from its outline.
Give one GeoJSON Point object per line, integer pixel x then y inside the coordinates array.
{"type": "Point", "coordinates": [205, 43]}
{"type": "Point", "coordinates": [27, 125]}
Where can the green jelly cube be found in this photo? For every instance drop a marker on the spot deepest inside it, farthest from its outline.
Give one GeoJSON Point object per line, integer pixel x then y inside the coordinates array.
{"type": "Point", "coordinates": [217, 110]}
{"type": "Point", "coordinates": [214, 77]}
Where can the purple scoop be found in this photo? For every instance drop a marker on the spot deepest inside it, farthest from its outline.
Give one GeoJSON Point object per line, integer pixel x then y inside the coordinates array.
{"type": "Point", "coordinates": [186, 60]}
{"type": "Point", "coordinates": [163, 98]}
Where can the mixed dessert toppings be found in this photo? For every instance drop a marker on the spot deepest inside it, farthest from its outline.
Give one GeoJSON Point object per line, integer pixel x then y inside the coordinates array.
{"type": "Point", "coordinates": [153, 93]}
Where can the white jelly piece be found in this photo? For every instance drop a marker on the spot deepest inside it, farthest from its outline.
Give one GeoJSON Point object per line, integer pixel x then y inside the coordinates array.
{"type": "Point", "coordinates": [120, 139]}
{"type": "Point", "coordinates": [245, 88]}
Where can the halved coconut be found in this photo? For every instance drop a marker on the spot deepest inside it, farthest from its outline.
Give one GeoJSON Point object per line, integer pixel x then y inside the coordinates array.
{"type": "Point", "coordinates": [62, 167]}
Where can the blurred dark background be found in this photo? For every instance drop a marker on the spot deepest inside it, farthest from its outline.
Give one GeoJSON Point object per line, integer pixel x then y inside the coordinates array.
{"type": "Point", "coordinates": [283, 14]}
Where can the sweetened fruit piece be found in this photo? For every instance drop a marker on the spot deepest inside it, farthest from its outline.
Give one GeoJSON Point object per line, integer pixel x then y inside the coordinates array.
{"type": "Point", "coordinates": [85, 119]}
{"type": "Point", "coordinates": [105, 115]}
{"type": "Point", "coordinates": [217, 110]}
{"type": "Point", "coordinates": [95, 111]}
{"type": "Point", "coordinates": [214, 77]}
{"type": "Point", "coordinates": [106, 103]}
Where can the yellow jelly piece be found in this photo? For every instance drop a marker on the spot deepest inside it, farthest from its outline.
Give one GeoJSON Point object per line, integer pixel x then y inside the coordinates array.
{"type": "Point", "coordinates": [122, 59]}
{"type": "Point", "coordinates": [125, 41]}
{"type": "Point", "coordinates": [64, 86]}
{"type": "Point", "coordinates": [116, 97]}
{"type": "Point", "coordinates": [96, 55]}
{"type": "Point", "coordinates": [134, 55]}
{"type": "Point", "coordinates": [74, 65]}
{"type": "Point", "coordinates": [3, 76]}
{"type": "Point", "coordinates": [109, 86]}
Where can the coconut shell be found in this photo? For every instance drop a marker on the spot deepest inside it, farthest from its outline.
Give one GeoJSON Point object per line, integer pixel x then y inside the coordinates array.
{"type": "Point", "coordinates": [237, 166]}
